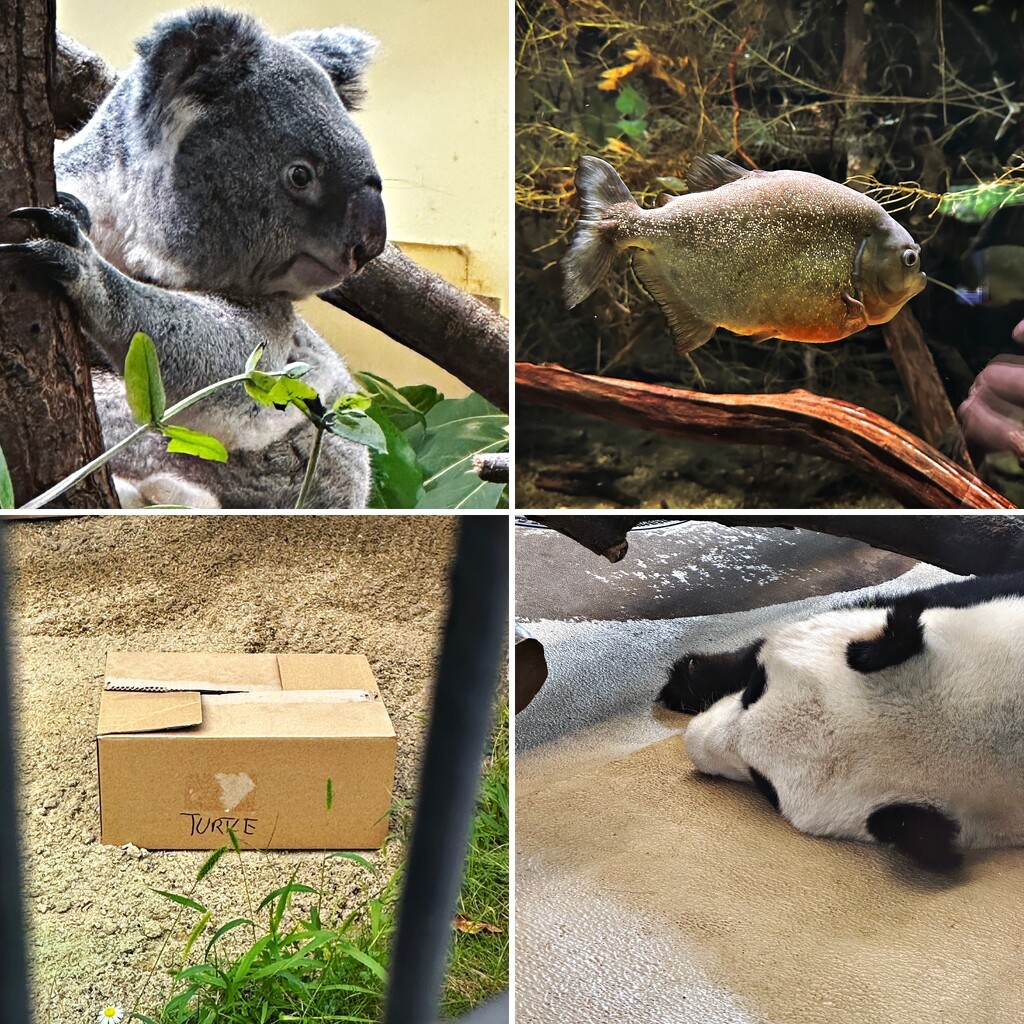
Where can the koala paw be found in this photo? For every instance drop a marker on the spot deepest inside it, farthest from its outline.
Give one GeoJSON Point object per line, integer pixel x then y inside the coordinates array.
{"type": "Point", "coordinates": [60, 253]}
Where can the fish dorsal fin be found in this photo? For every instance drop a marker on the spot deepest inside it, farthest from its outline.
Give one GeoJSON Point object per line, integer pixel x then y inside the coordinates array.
{"type": "Point", "coordinates": [709, 171]}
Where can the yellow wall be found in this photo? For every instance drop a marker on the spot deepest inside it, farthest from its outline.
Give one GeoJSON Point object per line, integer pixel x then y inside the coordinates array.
{"type": "Point", "coordinates": [436, 116]}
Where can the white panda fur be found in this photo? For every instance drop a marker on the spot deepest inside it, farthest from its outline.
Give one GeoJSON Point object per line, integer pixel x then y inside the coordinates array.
{"type": "Point", "coordinates": [901, 724]}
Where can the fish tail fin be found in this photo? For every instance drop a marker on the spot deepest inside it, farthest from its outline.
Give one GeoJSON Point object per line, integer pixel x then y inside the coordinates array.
{"type": "Point", "coordinates": [593, 247]}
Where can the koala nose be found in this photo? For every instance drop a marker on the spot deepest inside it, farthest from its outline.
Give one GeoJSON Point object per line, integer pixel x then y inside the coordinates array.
{"type": "Point", "coordinates": [365, 224]}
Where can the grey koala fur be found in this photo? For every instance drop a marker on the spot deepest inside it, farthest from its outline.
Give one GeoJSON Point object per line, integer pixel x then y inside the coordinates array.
{"type": "Point", "coordinates": [222, 179]}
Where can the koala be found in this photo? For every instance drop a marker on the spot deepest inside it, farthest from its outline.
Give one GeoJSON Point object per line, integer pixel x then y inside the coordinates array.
{"type": "Point", "coordinates": [222, 179]}
{"type": "Point", "coordinates": [901, 725]}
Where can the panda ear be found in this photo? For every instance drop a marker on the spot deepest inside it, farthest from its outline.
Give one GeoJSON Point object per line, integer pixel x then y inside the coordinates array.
{"type": "Point", "coordinates": [921, 832]}
{"type": "Point", "coordinates": [345, 54]}
{"type": "Point", "coordinates": [901, 638]}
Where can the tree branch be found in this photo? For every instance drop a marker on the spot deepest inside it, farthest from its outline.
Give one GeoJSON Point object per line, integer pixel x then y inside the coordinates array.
{"type": "Point", "coordinates": [887, 455]}
{"type": "Point", "coordinates": [492, 468]}
{"type": "Point", "coordinates": [82, 81]}
{"type": "Point", "coordinates": [414, 306]}
{"type": "Point", "coordinates": [916, 366]}
{"type": "Point", "coordinates": [423, 312]}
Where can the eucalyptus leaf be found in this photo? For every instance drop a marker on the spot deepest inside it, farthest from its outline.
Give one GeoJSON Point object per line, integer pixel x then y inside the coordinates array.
{"type": "Point", "coordinates": [403, 406]}
{"type": "Point", "coordinates": [254, 359]}
{"type": "Point", "coordinates": [277, 389]}
{"type": "Point", "coordinates": [6, 486]}
{"type": "Point", "coordinates": [397, 473]}
{"type": "Point", "coordinates": [353, 401]}
{"type": "Point", "coordinates": [422, 397]}
{"type": "Point", "coordinates": [191, 442]}
{"type": "Point", "coordinates": [143, 386]}
{"type": "Point", "coordinates": [357, 426]}
{"type": "Point", "coordinates": [456, 430]}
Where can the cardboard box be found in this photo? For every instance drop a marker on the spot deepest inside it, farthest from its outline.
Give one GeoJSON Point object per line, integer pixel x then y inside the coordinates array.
{"type": "Point", "coordinates": [191, 744]}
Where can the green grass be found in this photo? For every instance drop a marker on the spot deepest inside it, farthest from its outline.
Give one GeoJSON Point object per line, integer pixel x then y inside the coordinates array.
{"type": "Point", "coordinates": [275, 963]}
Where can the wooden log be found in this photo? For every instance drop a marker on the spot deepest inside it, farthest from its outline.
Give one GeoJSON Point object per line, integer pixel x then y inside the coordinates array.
{"type": "Point", "coordinates": [884, 454]}
{"type": "Point", "coordinates": [965, 544]}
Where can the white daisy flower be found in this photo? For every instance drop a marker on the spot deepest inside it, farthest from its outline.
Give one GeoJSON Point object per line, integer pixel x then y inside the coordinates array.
{"type": "Point", "coordinates": [110, 1015]}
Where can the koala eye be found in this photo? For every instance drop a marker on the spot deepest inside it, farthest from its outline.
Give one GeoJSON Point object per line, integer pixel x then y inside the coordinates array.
{"type": "Point", "coordinates": [909, 258]}
{"type": "Point", "coordinates": [300, 175]}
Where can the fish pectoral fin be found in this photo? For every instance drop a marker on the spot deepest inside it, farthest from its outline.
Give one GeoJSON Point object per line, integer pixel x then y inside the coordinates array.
{"type": "Point", "coordinates": [709, 171]}
{"type": "Point", "coordinates": [855, 310]}
{"type": "Point", "coordinates": [688, 329]}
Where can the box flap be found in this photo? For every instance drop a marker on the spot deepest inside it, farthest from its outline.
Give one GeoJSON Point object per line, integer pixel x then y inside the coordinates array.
{"type": "Point", "coordinates": [326, 672]}
{"type": "Point", "coordinates": [148, 712]}
{"type": "Point", "coordinates": [191, 670]}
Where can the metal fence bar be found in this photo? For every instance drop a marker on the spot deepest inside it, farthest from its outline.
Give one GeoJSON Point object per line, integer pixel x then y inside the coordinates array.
{"type": "Point", "coordinates": [494, 1011]}
{"type": "Point", "coordinates": [459, 725]}
{"type": "Point", "coordinates": [13, 964]}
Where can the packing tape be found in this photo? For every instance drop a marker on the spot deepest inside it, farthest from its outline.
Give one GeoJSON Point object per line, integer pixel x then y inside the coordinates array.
{"type": "Point", "coordinates": [292, 697]}
{"type": "Point", "coordinates": [171, 685]}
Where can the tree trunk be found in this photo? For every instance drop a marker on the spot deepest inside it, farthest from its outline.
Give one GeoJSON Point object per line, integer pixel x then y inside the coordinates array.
{"type": "Point", "coordinates": [48, 425]}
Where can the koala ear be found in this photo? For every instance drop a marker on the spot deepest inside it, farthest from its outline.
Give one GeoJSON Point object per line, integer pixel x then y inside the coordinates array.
{"type": "Point", "coordinates": [197, 53]}
{"type": "Point", "coordinates": [921, 832]}
{"type": "Point", "coordinates": [344, 53]}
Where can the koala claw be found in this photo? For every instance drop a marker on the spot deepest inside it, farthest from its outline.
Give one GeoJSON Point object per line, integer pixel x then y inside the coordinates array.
{"type": "Point", "coordinates": [41, 258]}
{"type": "Point", "coordinates": [56, 223]}
{"type": "Point", "coordinates": [73, 205]}
{"type": "Point", "coordinates": [58, 255]}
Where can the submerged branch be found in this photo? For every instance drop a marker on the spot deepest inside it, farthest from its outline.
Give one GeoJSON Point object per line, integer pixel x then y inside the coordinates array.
{"type": "Point", "coordinates": [883, 453]}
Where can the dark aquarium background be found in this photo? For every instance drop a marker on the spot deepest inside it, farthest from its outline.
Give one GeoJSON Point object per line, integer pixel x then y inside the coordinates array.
{"type": "Point", "coordinates": [921, 94]}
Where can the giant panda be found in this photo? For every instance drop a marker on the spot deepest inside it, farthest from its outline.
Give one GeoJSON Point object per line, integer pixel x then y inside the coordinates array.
{"type": "Point", "coordinates": [901, 723]}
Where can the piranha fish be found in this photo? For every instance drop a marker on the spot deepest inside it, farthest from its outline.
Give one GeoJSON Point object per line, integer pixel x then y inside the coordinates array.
{"type": "Point", "coordinates": [770, 254]}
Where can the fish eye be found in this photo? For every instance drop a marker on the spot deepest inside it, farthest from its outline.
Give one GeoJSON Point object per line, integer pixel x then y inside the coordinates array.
{"type": "Point", "coordinates": [909, 258]}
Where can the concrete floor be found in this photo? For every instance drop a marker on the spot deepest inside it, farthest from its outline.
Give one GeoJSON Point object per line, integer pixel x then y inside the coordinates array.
{"type": "Point", "coordinates": [647, 893]}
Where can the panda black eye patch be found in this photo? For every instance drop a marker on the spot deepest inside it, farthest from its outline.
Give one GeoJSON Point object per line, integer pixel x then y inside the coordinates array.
{"type": "Point", "coordinates": [696, 681]}
{"type": "Point", "coordinates": [755, 688]}
{"type": "Point", "coordinates": [765, 787]}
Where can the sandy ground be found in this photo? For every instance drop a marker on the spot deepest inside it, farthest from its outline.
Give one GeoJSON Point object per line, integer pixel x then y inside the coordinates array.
{"type": "Point", "coordinates": [375, 585]}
